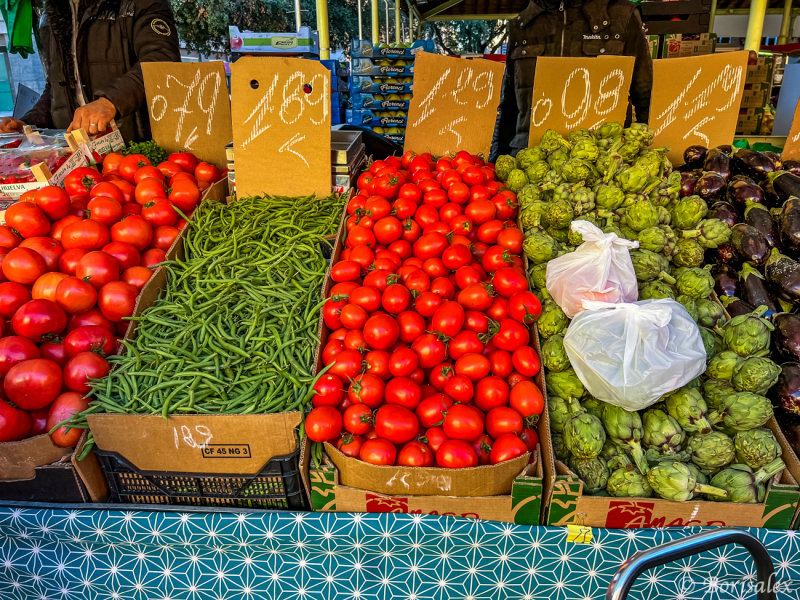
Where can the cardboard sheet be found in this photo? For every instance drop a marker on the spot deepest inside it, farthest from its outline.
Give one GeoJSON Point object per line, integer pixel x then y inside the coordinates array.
{"type": "Point", "coordinates": [791, 151]}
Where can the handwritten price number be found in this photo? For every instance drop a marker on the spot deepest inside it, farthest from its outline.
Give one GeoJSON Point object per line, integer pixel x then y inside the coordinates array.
{"type": "Point", "coordinates": [481, 84]}
{"type": "Point", "coordinates": [579, 534]}
{"type": "Point", "coordinates": [207, 90]}
{"type": "Point", "coordinates": [610, 88]}
{"type": "Point", "coordinates": [728, 79]}
{"type": "Point", "coordinates": [295, 102]}
{"type": "Point", "coordinates": [187, 436]}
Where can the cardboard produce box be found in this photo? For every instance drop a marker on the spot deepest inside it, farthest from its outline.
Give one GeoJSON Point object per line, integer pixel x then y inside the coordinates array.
{"type": "Point", "coordinates": [677, 45]}
{"type": "Point", "coordinates": [750, 120]}
{"type": "Point", "coordinates": [762, 70]}
{"type": "Point", "coordinates": [756, 95]}
{"type": "Point", "coordinates": [567, 505]}
{"type": "Point", "coordinates": [521, 506]}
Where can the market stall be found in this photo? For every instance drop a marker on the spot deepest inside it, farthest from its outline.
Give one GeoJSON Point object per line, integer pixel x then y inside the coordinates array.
{"type": "Point", "coordinates": [485, 380]}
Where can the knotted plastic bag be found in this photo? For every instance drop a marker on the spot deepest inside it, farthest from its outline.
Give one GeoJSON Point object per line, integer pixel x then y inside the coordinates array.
{"type": "Point", "coordinates": [632, 354]}
{"type": "Point", "coordinates": [600, 269]}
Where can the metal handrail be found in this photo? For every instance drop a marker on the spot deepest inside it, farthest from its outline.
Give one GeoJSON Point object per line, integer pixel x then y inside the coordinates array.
{"type": "Point", "coordinates": [641, 561]}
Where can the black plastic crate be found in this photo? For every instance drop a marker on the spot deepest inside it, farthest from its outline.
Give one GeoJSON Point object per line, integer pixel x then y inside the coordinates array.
{"type": "Point", "coordinates": [278, 485]}
{"type": "Point", "coordinates": [694, 23]}
{"type": "Point", "coordinates": [674, 7]}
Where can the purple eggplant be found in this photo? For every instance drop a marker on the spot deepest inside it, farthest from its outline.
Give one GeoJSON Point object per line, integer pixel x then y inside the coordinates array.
{"type": "Point", "coordinates": [744, 178]}
{"type": "Point", "coordinates": [783, 273]}
{"type": "Point", "coordinates": [754, 289]}
{"type": "Point", "coordinates": [741, 193]}
{"type": "Point", "coordinates": [718, 162]}
{"type": "Point", "coordinates": [784, 185]}
{"type": "Point", "coordinates": [750, 244]}
{"type": "Point", "coordinates": [710, 186]}
{"type": "Point", "coordinates": [759, 217]}
{"type": "Point", "coordinates": [726, 281]}
{"type": "Point", "coordinates": [695, 156]}
{"type": "Point", "coordinates": [790, 226]}
{"type": "Point", "coordinates": [726, 149]}
{"type": "Point", "coordinates": [775, 159]}
{"type": "Point", "coordinates": [751, 163]}
{"type": "Point", "coordinates": [735, 306]}
{"type": "Point", "coordinates": [725, 212]}
{"type": "Point", "coordinates": [786, 337]}
{"type": "Point", "coordinates": [688, 181]}
{"type": "Point", "coordinates": [786, 392]}
{"type": "Point", "coordinates": [793, 166]}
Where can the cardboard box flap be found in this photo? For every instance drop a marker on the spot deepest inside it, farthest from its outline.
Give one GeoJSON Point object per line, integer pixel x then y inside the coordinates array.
{"type": "Point", "coordinates": [90, 474]}
{"type": "Point", "coordinates": [489, 480]}
{"type": "Point", "coordinates": [197, 443]}
{"type": "Point", "coordinates": [18, 460]}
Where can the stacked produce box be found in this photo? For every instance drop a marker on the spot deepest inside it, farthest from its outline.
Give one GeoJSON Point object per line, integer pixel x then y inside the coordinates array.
{"type": "Point", "coordinates": [756, 96]}
{"type": "Point", "coordinates": [718, 429]}
{"type": "Point", "coordinates": [347, 159]}
{"type": "Point", "coordinates": [380, 85]}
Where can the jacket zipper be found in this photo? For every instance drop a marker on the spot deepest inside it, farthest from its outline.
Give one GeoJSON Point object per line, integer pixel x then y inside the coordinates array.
{"type": "Point", "coordinates": [563, 29]}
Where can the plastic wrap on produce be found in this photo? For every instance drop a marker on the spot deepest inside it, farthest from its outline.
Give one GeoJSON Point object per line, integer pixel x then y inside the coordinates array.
{"type": "Point", "coordinates": [632, 354]}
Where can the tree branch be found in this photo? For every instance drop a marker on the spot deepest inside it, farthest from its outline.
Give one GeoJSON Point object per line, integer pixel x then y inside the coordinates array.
{"type": "Point", "coordinates": [440, 39]}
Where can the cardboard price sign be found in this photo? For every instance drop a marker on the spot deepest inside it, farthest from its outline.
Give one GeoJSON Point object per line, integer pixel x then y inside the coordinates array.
{"type": "Point", "coordinates": [570, 93]}
{"type": "Point", "coordinates": [696, 100]}
{"type": "Point", "coordinates": [791, 151]}
{"type": "Point", "coordinates": [454, 105]}
{"type": "Point", "coordinates": [282, 138]}
{"type": "Point", "coordinates": [189, 108]}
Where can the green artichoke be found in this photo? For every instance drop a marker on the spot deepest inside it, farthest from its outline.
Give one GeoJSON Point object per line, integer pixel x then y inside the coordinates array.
{"type": "Point", "coordinates": [723, 365]}
{"type": "Point", "coordinates": [756, 447]}
{"type": "Point", "coordinates": [689, 409]}
{"type": "Point", "coordinates": [538, 275]}
{"type": "Point", "coordinates": [675, 481]}
{"type": "Point", "coordinates": [593, 406]}
{"type": "Point", "coordinates": [639, 133]}
{"type": "Point", "coordinates": [558, 215]}
{"type": "Point", "coordinates": [715, 391]}
{"type": "Point", "coordinates": [755, 374]}
{"type": "Point", "coordinates": [552, 321]}
{"type": "Point", "coordinates": [649, 265]}
{"type": "Point", "coordinates": [528, 195]}
{"type": "Point", "coordinates": [748, 335]}
{"type": "Point", "coordinates": [743, 485]}
{"type": "Point", "coordinates": [690, 304]}
{"type": "Point", "coordinates": [503, 166]}
{"type": "Point", "coordinates": [654, 457]}
{"type": "Point", "coordinates": [710, 233]}
{"type": "Point", "coordinates": [652, 239]}
{"type": "Point", "coordinates": [688, 211]}
{"type": "Point", "coordinates": [695, 283]}
{"type": "Point", "coordinates": [592, 471]}
{"type": "Point", "coordinates": [559, 235]}
{"type": "Point", "coordinates": [585, 148]}
{"type": "Point", "coordinates": [667, 191]}
{"type": "Point", "coordinates": [551, 179]}
{"type": "Point", "coordinates": [577, 169]}
{"type": "Point", "coordinates": [609, 197]}
{"type": "Point", "coordinates": [709, 313]}
{"type": "Point", "coordinates": [554, 357]}
{"type": "Point", "coordinates": [584, 435]}
{"type": "Point", "coordinates": [582, 201]}
{"type": "Point", "coordinates": [552, 140]}
{"type": "Point", "coordinates": [641, 214]}
{"type": "Point", "coordinates": [559, 447]}
{"type": "Point", "coordinates": [537, 172]}
{"type": "Point", "coordinates": [711, 451]}
{"type": "Point", "coordinates": [559, 411]}
{"type": "Point", "coordinates": [609, 130]}
{"type": "Point", "coordinates": [628, 484]}
{"type": "Point", "coordinates": [531, 215]}
{"type": "Point", "coordinates": [632, 180]}
{"type": "Point", "coordinates": [742, 411]}
{"type": "Point", "coordinates": [516, 180]}
{"type": "Point", "coordinates": [576, 135]}
{"type": "Point", "coordinates": [626, 427]}
{"type": "Point", "coordinates": [557, 158]}
{"type": "Point", "coordinates": [566, 385]}
{"type": "Point", "coordinates": [698, 474]}
{"type": "Point", "coordinates": [688, 253]}
{"type": "Point", "coordinates": [654, 290]}
{"type": "Point", "coordinates": [615, 455]}
{"type": "Point", "coordinates": [662, 432]}
{"type": "Point", "coordinates": [712, 343]}
{"type": "Point", "coordinates": [539, 247]}
{"type": "Point", "coordinates": [528, 157]}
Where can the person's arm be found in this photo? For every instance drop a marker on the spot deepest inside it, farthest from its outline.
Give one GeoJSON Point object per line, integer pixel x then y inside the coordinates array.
{"type": "Point", "coordinates": [506, 127]}
{"type": "Point", "coordinates": [641, 86]}
{"type": "Point", "coordinates": [40, 115]}
{"type": "Point", "coordinates": [155, 38]}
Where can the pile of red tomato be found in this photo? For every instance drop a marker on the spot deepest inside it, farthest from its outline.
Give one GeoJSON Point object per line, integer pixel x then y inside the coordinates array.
{"type": "Point", "coordinates": [72, 263]}
{"type": "Point", "coordinates": [429, 357]}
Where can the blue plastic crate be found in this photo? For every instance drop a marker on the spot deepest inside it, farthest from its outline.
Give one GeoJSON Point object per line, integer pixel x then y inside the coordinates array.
{"type": "Point", "coordinates": [368, 118]}
{"type": "Point", "coordinates": [367, 66]}
{"type": "Point", "coordinates": [365, 49]}
{"type": "Point", "coordinates": [369, 102]}
{"type": "Point", "coordinates": [371, 85]}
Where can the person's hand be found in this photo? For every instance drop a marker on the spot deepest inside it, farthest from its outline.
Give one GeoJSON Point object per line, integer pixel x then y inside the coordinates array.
{"type": "Point", "coordinates": [9, 125]}
{"type": "Point", "coordinates": [94, 117]}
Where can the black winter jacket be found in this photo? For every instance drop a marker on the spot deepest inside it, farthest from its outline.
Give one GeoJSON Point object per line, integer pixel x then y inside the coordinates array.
{"type": "Point", "coordinates": [569, 28]}
{"type": "Point", "coordinates": [114, 37]}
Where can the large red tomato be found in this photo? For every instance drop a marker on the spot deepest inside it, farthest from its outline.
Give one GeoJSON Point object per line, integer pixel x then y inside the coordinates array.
{"type": "Point", "coordinates": [89, 338]}
{"type": "Point", "coordinates": [381, 331]}
{"type": "Point", "coordinates": [8, 238]}
{"type": "Point", "coordinates": [366, 389]}
{"type": "Point", "coordinates": [491, 392]}
{"type": "Point", "coordinates": [126, 254]}
{"type": "Point", "coordinates": [23, 265]}
{"type": "Point", "coordinates": [27, 219]}
{"type": "Point", "coordinates": [415, 454]}
{"type": "Point", "coordinates": [81, 368]}
{"type": "Point", "coordinates": [49, 249]}
{"type": "Point", "coordinates": [503, 419]}
{"type": "Point", "coordinates": [403, 392]}
{"type": "Point", "coordinates": [130, 164]}
{"type": "Point", "coordinates": [430, 350]}
{"type": "Point", "coordinates": [64, 407]}
{"type": "Point", "coordinates": [378, 451]}
{"type": "Point", "coordinates": [15, 424]}
{"type": "Point", "coordinates": [53, 201]}
{"type": "Point", "coordinates": [463, 422]}
{"type": "Point", "coordinates": [14, 349]}
{"type": "Point", "coordinates": [39, 318]}
{"type": "Point", "coordinates": [33, 383]}
{"type": "Point", "coordinates": [12, 296]}
{"type": "Point", "coordinates": [134, 230]}
{"type": "Point", "coordinates": [358, 419]}
{"type": "Point", "coordinates": [98, 268]}
{"type": "Point", "coordinates": [81, 181]}
{"type": "Point", "coordinates": [527, 399]}
{"type": "Point", "coordinates": [323, 424]}
{"type": "Point", "coordinates": [88, 235]}
{"type": "Point", "coordinates": [117, 300]}
{"type": "Point", "coordinates": [45, 287]}
{"type": "Point", "coordinates": [396, 424]}
{"type": "Point", "coordinates": [456, 454]}
{"type": "Point", "coordinates": [105, 210]}
{"type": "Point", "coordinates": [506, 447]}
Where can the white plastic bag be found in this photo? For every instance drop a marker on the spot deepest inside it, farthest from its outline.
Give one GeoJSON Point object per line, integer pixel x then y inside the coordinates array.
{"type": "Point", "coordinates": [600, 270]}
{"type": "Point", "coordinates": [632, 354]}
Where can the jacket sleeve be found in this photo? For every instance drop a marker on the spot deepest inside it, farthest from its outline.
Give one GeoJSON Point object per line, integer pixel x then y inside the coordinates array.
{"type": "Point", "coordinates": [641, 87]}
{"type": "Point", "coordinates": [40, 115]}
{"type": "Point", "coordinates": [155, 38]}
{"type": "Point", "coordinates": [506, 127]}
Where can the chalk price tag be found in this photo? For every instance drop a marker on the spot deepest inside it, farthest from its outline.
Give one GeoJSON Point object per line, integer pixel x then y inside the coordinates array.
{"type": "Point", "coordinates": [579, 534]}
{"type": "Point", "coordinates": [791, 151]}
{"type": "Point", "coordinates": [696, 100]}
{"type": "Point", "coordinates": [189, 107]}
{"type": "Point", "coordinates": [454, 106]}
{"type": "Point", "coordinates": [281, 107]}
{"type": "Point", "coordinates": [571, 93]}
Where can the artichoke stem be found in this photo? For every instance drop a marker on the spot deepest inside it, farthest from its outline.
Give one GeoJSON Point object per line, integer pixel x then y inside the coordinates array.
{"type": "Point", "coordinates": [638, 457]}
{"type": "Point", "coordinates": [667, 278]}
{"type": "Point", "coordinates": [769, 470]}
{"type": "Point", "coordinates": [691, 233]}
{"type": "Point", "coordinates": [702, 488]}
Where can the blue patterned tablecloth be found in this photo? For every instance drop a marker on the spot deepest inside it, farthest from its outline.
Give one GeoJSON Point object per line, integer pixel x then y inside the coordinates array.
{"type": "Point", "coordinates": [70, 554]}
